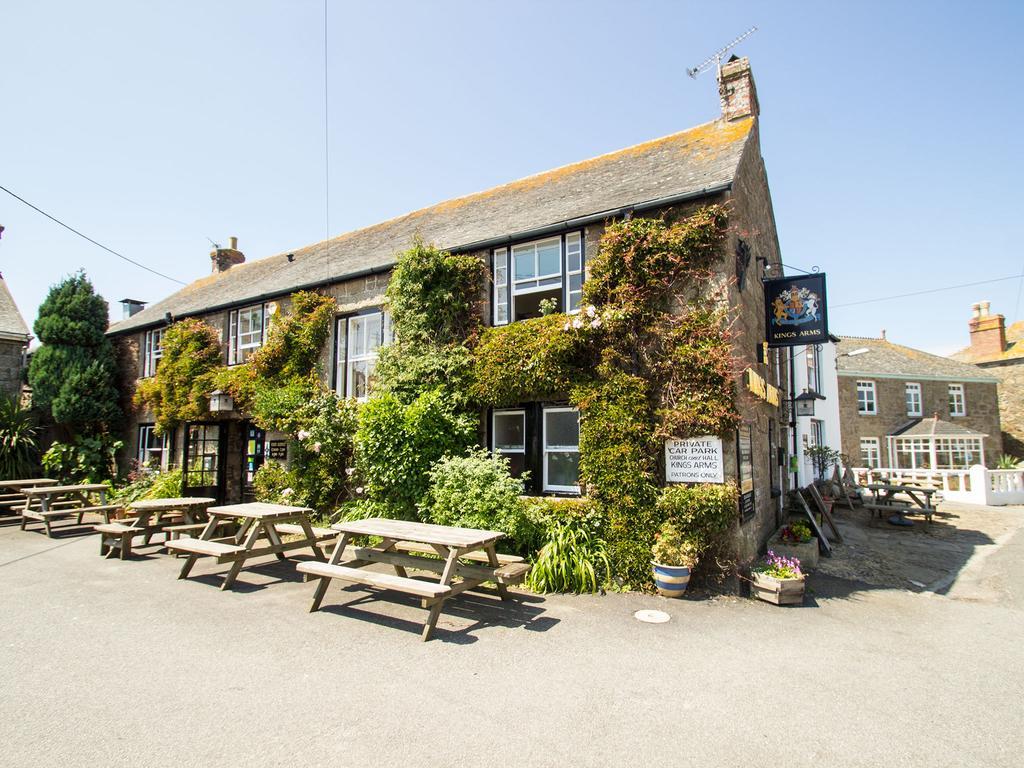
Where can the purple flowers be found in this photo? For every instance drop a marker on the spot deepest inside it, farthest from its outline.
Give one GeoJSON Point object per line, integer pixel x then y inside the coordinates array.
{"type": "Point", "coordinates": [779, 567]}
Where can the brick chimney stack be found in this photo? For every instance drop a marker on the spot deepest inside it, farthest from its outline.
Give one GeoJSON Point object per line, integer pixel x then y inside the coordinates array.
{"type": "Point", "coordinates": [225, 258]}
{"type": "Point", "coordinates": [988, 332]}
{"type": "Point", "coordinates": [736, 90]}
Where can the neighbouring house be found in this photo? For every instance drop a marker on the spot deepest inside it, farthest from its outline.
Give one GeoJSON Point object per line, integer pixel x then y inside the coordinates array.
{"type": "Point", "coordinates": [904, 408]}
{"type": "Point", "coordinates": [999, 351]}
{"type": "Point", "coordinates": [814, 373]}
{"type": "Point", "coordinates": [14, 340]}
{"type": "Point", "coordinates": [536, 235]}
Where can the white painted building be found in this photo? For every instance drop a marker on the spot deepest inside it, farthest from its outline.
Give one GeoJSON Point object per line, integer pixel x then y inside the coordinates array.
{"type": "Point", "coordinates": [813, 370]}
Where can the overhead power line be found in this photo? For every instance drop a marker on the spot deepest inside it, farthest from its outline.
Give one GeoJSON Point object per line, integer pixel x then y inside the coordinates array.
{"type": "Point", "coordinates": [930, 290]}
{"type": "Point", "coordinates": [86, 237]}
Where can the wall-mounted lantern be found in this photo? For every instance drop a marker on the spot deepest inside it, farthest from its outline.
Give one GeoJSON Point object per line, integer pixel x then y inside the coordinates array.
{"type": "Point", "coordinates": [805, 403]}
{"type": "Point", "coordinates": [221, 402]}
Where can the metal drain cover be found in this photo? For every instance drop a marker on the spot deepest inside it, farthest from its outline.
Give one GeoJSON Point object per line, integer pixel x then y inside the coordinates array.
{"type": "Point", "coordinates": [651, 617]}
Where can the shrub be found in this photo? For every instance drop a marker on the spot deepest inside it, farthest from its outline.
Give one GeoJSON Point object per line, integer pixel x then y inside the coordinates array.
{"type": "Point", "coordinates": [150, 485]}
{"type": "Point", "coordinates": [73, 373]}
{"type": "Point", "coordinates": [572, 560]}
{"type": "Point", "coordinates": [1006, 461]}
{"type": "Point", "coordinates": [397, 444]}
{"type": "Point", "coordinates": [274, 484]}
{"type": "Point", "coordinates": [672, 548]}
{"type": "Point", "coordinates": [703, 513]}
{"type": "Point", "coordinates": [408, 369]}
{"type": "Point", "coordinates": [86, 459]}
{"type": "Point", "coordinates": [476, 491]}
{"type": "Point", "coordinates": [322, 456]}
{"type": "Point", "coordinates": [19, 452]}
{"type": "Point", "coordinates": [180, 390]}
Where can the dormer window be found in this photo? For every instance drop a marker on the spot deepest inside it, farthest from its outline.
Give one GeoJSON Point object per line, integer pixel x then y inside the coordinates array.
{"type": "Point", "coordinates": [527, 276]}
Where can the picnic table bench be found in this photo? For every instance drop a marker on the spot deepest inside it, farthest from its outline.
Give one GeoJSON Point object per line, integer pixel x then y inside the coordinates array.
{"type": "Point", "coordinates": [51, 502]}
{"type": "Point", "coordinates": [152, 516]}
{"type": "Point", "coordinates": [885, 501]}
{"type": "Point", "coordinates": [259, 520]}
{"type": "Point", "coordinates": [12, 492]}
{"type": "Point", "coordinates": [433, 548]}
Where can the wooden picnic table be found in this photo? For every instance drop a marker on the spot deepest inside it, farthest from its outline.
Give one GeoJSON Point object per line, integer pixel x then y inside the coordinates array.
{"type": "Point", "coordinates": [46, 503]}
{"type": "Point", "coordinates": [885, 497]}
{"type": "Point", "coordinates": [259, 520]}
{"type": "Point", "coordinates": [150, 516]}
{"type": "Point", "coordinates": [402, 540]}
{"type": "Point", "coordinates": [12, 496]}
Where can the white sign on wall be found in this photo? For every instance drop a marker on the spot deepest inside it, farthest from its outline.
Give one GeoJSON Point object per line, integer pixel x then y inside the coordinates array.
{"type": "Point", "coordinates": [695, 460]}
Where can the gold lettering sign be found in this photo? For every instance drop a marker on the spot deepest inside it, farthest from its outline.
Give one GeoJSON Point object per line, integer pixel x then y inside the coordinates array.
{"type": "Point", "coordinates": [762, 389]}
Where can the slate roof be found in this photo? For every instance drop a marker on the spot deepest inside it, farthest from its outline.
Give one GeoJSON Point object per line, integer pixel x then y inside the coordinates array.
{"type": "Point", "coordinates": [689, 162]}
{"type": "Point", "coordinates": [887, 360]}
{"type": "Point", "coordinates": [1014, 347]}
{"type": "Point", "coordinates": [934, 427]}
{"type": "Point", "coordinates": [11, 321]}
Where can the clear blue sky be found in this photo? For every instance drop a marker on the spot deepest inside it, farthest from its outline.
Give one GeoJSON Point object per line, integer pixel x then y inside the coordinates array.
{"type": "Point", "coordinates": [891, 131]}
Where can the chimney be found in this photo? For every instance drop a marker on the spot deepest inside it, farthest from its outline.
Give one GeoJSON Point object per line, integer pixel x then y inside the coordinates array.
{"type": "Point", "coordinates": [883, 334]}
{"type": "Point", "coordinates": [736, 90]}
{"type": "Point", "coordinates": [225, 258]}
{"type": "Point", "coordinates": [988, 332]}
{"type": "Point", "coordinates": [131, 307]}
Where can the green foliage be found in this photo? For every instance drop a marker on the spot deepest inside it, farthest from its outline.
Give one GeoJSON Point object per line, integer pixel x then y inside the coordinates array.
{"type": "Point", "coordinates": [180, 390]}
{"type": "Point", "coordinates": [1006, 461]}
{"type": "Point", "coordinates": [19, 452]}
{"type": "Point", "coordinates": [274, 484]}
{"type": "Point", "coordinates": [73, 374]}
{"type": "Point", "coordinates": [434, 296]}
{"type": "Point", "coordinates": [398, 443]}
{"type": "Point", "coordinates": [150, 485]}
{"type": "Point", "coordinates": [86, 459]}
{"type": "Point", "coordinates": [572, 560]}
{"type": "Point", "coordinates": [703, 513]}
{"type": "Point", "coordinates": [322, 456]}
{"type": "Point", "coordinates": [823, 458]}
{"type": "Point", "coordinates": [672, 548]}
{"type": "Point", "coordinates": [476, 491]}
{"type": "Point", "coordinates": [407, 369]}
{"type": "Point", "coordinates": [534, 359]}
{"type": "Point", "coordinates": [796, 533]}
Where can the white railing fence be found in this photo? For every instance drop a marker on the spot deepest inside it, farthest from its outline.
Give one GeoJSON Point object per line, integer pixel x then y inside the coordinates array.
{"type": "Point", "coordinates": [977, 485]}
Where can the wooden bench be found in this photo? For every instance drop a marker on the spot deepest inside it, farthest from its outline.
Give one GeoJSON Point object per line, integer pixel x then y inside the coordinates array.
{"type": "Point", "coordinates": [223, 551]}
{"type": "Point", "coordinates": [293, 529]}
{"type": "Point", "coordinates": [117, 536]}
{"type": "Point", "coordinates": [510, 573]}
{"type": "Point", "coordinates": [479, 557]}
{"type": "Point", "coordinates": [427, 590]}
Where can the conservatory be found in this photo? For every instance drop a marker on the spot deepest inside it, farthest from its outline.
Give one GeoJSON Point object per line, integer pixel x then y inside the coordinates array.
{"type": "Point", "coordinates": [936, 444]}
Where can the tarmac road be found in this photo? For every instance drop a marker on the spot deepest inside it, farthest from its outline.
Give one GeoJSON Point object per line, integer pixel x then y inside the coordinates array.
{"type": "Point", "coordinates": [109, 663]}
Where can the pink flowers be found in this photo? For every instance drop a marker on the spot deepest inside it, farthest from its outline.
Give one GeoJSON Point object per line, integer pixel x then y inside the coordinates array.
{"type": "Point", "coordinates": [779, 567]}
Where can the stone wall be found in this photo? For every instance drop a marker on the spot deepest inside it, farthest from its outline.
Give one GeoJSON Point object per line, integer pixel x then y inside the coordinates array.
{"type": "Point", "coordinates": [12, 367]}
{"type": "Point", "coordinates": [981, 403]}
{"type": "Point", "coordinates": [1011, 404]}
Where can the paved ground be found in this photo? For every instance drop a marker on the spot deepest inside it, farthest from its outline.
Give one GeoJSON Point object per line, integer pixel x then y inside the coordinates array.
{"type": "Point", "coordinates": [108, 664]}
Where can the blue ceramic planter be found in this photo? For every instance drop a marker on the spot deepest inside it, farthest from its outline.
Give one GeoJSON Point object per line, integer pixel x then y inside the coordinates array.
{"type": "Point", "coordinates": [671, 580]}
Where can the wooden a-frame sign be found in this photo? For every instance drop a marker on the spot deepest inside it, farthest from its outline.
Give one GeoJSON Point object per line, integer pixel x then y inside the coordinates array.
{"type": "Point", "coordinates": [823, 542]}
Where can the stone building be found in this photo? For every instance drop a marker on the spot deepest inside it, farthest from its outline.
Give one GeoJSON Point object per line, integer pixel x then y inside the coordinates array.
{"type": "Point", "coordinates": [999, 351]}
{"type": "Point", "coordinates": [536, 235]}
{"type": "Point", "coordinates": [900, 407]}
{"type": "Point", "coordinates": [14, 339]}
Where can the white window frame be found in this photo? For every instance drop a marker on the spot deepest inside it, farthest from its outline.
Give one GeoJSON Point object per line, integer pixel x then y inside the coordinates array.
{"type": "Point", "coordinates": [521, 413]}
{"type": "Point", "coordinates": [142, 449]}
{"type": "Point", "coordinates": [871, 452]}
{"type": "Point", "coordinates": [152, 351]}
{"type": "Point", "coordinates": [573, 248]}
{"type": "Point", "coordinates": [346, 357]}
{"type": "Point", "coordinates": [957, 400]}
{"type": "Point", "coordinates": [521, 286]}
{"type": "Point", "coordinates": [817, 433]}
{"type": "Point", "coordinates": [499, 273]}
{"type": "Point", "coordinates": [813, 368]}
{"type": "Point", "coordinates": [870, 400]}
{"type": "Point", "coordinates": [913, 394]}
{"type": "Point", "coordinates": [241, 345]}
{"type": "Point", "coordinates": [546, 449]}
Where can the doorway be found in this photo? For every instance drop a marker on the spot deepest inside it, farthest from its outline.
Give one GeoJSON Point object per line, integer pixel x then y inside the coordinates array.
{"type": "Point", "coordinates": [203, 465]}
{"type": "Point", "coordinates": [252, 458]}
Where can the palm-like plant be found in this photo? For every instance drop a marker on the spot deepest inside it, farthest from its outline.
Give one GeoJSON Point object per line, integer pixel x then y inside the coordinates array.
{"type": "Point", "coordinates": [19, 453]}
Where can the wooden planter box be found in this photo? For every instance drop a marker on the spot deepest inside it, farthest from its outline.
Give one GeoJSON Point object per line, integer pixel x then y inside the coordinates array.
{"type": "Point", "coordinates": [807, 553]}
{"type": "Point", "coordinates": [777, 591]}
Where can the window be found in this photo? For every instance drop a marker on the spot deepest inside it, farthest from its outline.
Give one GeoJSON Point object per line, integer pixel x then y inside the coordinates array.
{"type": "Point", "coordinates": [152, 351]}
{"type": "Point", "coordinates": [245, 333]}
{"type": "Point", "coordinates": [913, 399]}
{"type": "Point", "coordinates": [508, 437]}
{"type": "Point", "coordinates": [817, 432]}
{"type": "Point", "coordinates": [358, 340]}
{"type": "Point", "coordinates": [153, 449]}
{"type": "Point", "coordinates": [914, 453]}
{"type": "Point", "coordinates": [866, 404]}
{"type": "Point", "coordinates": [957, 405]}
{"type": "Point", "coordinates": [561, 449]}
{"type": "Point", "coordinates": [870, 453]}
{"type": "Point", "coordinates": [938, 452]}
{"type": "Point", "coordinates": [549, 271]}
{"type": "Point", "coordinates": [813, 355]}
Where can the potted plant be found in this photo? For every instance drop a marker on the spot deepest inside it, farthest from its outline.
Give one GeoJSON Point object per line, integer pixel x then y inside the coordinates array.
{"type": "Point", "coordinates": [797, 542]}
{"type": "Point", "coordinates": [674, 558]}
{"type": "Point", "coordinates": [777, 579]}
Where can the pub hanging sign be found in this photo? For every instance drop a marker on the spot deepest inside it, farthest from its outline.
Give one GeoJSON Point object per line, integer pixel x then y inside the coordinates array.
{"type": "Point", "coordinates": [796, 311]}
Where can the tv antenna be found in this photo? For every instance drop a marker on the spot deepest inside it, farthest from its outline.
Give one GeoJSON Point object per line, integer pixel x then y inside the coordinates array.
{"type": "Point", "coordinates": [716, 57]}
{"type": "Point", "coordinates": [215, 245]}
